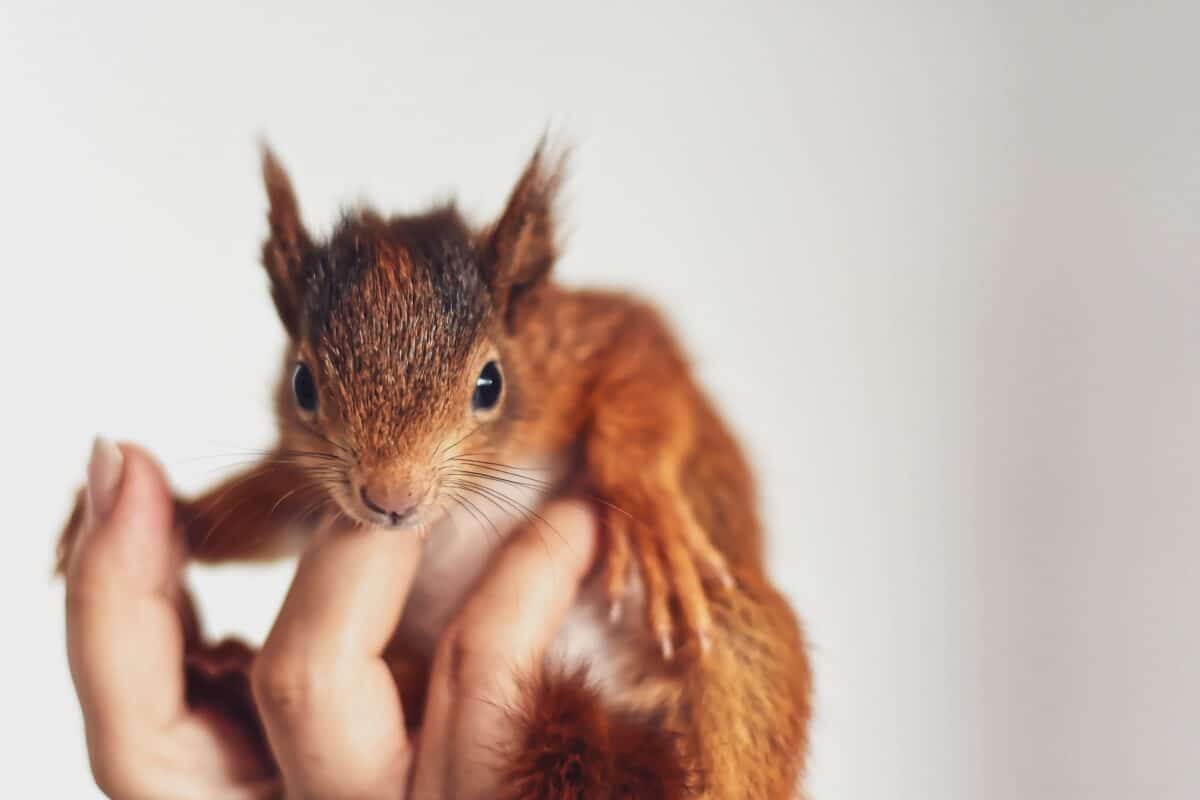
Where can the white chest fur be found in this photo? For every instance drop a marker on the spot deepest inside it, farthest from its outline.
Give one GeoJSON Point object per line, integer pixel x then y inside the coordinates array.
{"type": "Point", "coordinates": [458, 549]}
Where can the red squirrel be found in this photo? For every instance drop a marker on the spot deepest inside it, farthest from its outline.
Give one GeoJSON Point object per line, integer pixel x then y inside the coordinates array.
{"type": "Point", "coordinates": [437, 380]}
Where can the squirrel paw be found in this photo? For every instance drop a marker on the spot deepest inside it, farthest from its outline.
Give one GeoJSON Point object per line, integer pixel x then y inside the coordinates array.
{"type": "Point", "coordinates": [675, 559]}
{"type": "Point", "coordinates": [70, 533]}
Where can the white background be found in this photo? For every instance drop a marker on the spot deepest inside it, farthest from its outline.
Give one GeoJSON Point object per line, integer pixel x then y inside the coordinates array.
{"type": "Point", "coordinates": [938, 262]}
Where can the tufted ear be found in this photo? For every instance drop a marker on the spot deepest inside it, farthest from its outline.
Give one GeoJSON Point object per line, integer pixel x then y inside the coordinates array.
{"type": "Point", "coordinates": [286, 245]}
{"type": "Point", "coordinates": [520, 248]}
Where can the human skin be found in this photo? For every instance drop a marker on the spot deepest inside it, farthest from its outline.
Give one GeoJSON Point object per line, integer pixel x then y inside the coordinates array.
{"type": "Point", "coordinates": [330, 707]}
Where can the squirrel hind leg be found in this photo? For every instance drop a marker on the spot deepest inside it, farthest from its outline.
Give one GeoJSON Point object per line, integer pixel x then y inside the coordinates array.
{"type": "Point", "coordinates": [571, 747]}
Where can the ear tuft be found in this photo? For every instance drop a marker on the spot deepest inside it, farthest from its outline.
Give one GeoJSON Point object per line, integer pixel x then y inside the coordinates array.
{"type": "Point", "coordinates": [287, 243]}
{"type": "Point", "coordinates": [520, 248]}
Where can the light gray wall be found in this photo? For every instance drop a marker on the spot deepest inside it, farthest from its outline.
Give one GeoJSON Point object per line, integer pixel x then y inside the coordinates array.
{"type": "Point", "coordinates": [939, 263]}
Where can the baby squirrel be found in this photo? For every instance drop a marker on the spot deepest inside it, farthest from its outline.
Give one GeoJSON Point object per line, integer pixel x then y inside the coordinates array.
{"type": "Point", "coordinates": [437, 380]}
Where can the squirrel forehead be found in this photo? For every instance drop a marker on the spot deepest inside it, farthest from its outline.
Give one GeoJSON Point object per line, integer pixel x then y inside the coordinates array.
{"type": "Point", "coordinates": [395, 308]}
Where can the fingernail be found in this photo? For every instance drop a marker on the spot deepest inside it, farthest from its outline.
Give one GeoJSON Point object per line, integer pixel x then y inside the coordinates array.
{"type": "Point", "coordinates": [104, 477]}
{"type": "Point", "coordinates": [614, 612]}
{"type": "Point", "coordinates": [705, 642]}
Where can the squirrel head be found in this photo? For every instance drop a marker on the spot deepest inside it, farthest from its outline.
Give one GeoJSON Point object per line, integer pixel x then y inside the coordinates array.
{"type": "Point", "coordinates": [397, 379]}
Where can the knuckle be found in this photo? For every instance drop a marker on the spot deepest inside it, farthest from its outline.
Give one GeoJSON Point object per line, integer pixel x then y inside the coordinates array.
{"type": "Point", "coordinates": [284, 683]}
{"type": "Point", "coordinates": [88, 583]}
{"type": "Point", "coordinates": [78, 599]}
{"type": "Point", "coordinates": [463, 656]}
{"type": "Point", "coordinates": [114, 770]}
{"type": "Point", "coordinates": [110, 780]}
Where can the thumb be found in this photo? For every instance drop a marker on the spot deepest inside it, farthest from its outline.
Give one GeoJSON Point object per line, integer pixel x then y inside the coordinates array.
{"type": "Point", "coordinates": [127, 529]}
{"type": "Point", "coordinates": [124, 638]}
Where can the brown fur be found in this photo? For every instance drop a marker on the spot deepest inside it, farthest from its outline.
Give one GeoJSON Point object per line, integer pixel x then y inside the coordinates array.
{"type": "Point", "coordinates": [395, 317]}
{"type": "Point", "coordinates": [570, 747]}
{"type": "Point", "coordinates": [218, 679]}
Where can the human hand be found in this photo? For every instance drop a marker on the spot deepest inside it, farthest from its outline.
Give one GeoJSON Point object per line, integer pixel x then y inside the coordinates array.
{"type": "Point", "coordinates": [126, 640]}
{"type": "Point", "coordinates": [330, 707]}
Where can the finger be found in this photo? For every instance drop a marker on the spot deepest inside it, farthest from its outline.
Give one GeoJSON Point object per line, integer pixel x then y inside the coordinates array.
{"type": "Point", "coordinates": [124, 639]}
{"type": "Point", "coordinates": [494, 645]}
{"type": "Point", "coordinates": [329, 704]}
{"type": "Point", "coordinates": [125, 644]}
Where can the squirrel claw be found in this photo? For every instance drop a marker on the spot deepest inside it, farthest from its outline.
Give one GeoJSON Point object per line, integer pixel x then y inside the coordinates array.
{"type": "Point", "coordinates": [676, 561]}
{"type": "Point", "coordinates": [668, 648]}
{"type": "Point", "coordinates": [617, 562]}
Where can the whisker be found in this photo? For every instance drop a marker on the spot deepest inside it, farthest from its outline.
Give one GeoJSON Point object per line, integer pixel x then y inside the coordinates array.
{"type": "Point", "coordinates": [471, 458]}
{"type": "Point", "coordinates": [499, 478]}
{"type": "Point", "coordinates": [531, 482]}
{"type": "Point", "coordinates": [275, 506]}
{"type": "Point", "coordinates": [314, 432]}
{"type": "Point", "coordinates": [503, 471]}
{"type": "Point", "coordinates": [473, 509]}
{"type": "Point", "coordinates": [459, 441]}
{"type": "Point", "coordinates": [522, 510]}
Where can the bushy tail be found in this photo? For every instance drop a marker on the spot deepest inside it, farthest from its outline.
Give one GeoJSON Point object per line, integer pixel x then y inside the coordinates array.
{"type": "Point", "coordinates": [571, 747]}
{"type": "Point", "coordinates": [738, 731]}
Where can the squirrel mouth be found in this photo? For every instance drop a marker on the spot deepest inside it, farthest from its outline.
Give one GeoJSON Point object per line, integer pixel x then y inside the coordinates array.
{"type": "Point", "coordinates": [394, 518]}
{"type": "Point", "coordinates": [362, 510]}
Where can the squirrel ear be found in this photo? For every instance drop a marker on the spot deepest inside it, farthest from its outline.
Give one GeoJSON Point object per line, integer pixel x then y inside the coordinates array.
{"type": "Point", "coordinates": [287, 244]}
{"type": "Point", "coordinates": [520, 248]}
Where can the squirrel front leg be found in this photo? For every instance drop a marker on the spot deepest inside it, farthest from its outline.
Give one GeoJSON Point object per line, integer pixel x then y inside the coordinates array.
{"type": "Point", "coordinates": [248, 516]}
{"type": "Point", "coordinates": [245, 517]}
{"type": "Point", "coordinates": [635, 450]}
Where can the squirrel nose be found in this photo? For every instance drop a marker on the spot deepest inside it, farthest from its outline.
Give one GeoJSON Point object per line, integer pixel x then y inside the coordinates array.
{"type": "Point", "coordinates": [393, 499]}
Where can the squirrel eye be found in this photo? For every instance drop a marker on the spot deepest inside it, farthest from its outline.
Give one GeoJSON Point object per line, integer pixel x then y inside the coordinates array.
{"type": "Point", "coordinates": [487, 387]}
{"type": "Point", "coordinates": [305, 388]}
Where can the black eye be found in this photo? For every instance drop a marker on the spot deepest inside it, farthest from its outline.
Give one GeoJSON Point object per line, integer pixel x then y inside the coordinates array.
{"type": "Point", "coordinates": [305, 388]}
{"type": "Point", "coordinates": [487, 387]}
